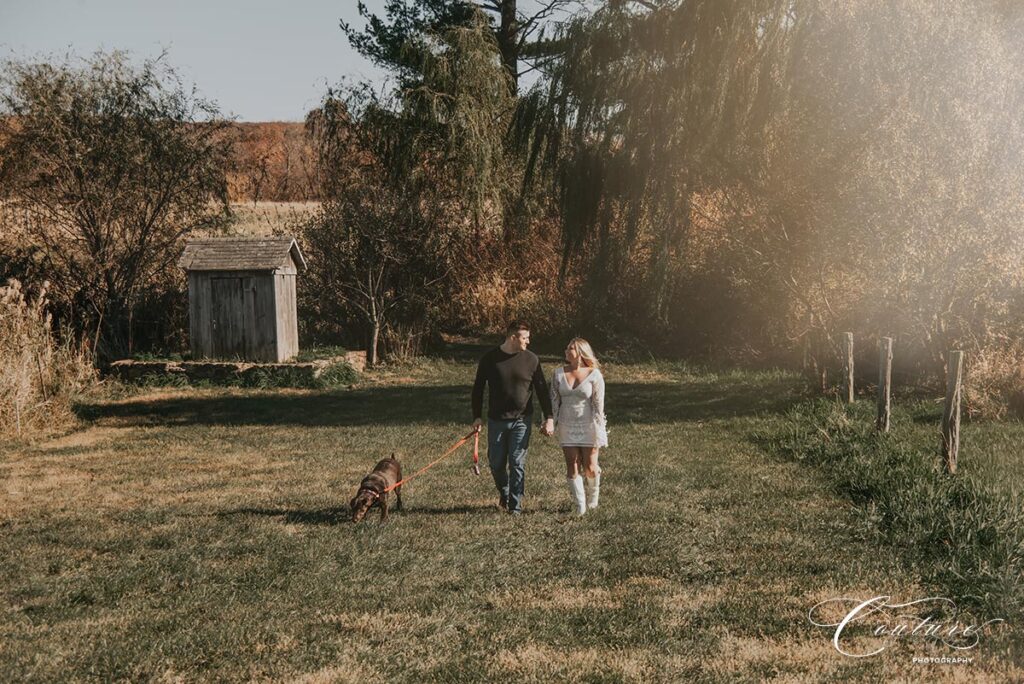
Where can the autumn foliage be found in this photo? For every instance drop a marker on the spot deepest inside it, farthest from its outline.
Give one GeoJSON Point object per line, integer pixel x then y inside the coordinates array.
{"type": "Point", "coordinates": [272, 162]}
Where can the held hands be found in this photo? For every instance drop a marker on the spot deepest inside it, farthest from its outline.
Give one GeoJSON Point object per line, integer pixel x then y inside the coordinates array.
{"type": "Point", "coordinates": [477, 424]}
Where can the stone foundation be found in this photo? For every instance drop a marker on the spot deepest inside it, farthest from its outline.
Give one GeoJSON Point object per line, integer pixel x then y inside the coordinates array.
{"type": "Point", "coordinates": [229, 372]}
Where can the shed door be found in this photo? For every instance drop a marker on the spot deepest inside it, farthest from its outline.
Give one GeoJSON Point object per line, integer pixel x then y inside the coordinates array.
{"type": "Point", "coordinates": [232, 317]}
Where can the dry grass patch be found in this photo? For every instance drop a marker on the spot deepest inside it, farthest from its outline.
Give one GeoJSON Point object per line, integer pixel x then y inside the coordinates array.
{"type": "Point", "coordinates": [538, 662]}
{"type": "Point", "coordinates": [348, 670]}
{"type": "Point", "coordinates": [268, 218]}
{"type": "Point", "coordinates": [83, 439]}
{"type": "Point", "coordinates": [692, 600]}
{"type": "Point", "coordinates": [816, 660]}
{"type": "Point", "coordinates": [558, 597]}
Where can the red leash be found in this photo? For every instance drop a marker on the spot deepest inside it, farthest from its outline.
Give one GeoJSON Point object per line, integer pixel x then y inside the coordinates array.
{"type": "Point", "coordinates": [476, 452]}
{"type": "Point", "coordinates": [475, 434]}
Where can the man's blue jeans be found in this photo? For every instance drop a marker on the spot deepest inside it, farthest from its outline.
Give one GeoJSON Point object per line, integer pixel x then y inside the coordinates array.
{"type": "Point", "coordinates": [507, 442]}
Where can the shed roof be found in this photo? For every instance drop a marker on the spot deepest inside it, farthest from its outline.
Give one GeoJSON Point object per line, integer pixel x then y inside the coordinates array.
{"type": "Point", "coordinates": [241, 254]}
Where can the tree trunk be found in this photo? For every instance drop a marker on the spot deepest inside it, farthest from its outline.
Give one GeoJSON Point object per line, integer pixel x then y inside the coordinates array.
{"type": "Point", "coordinates": [508, 43]}
{"type": "Point", "coordinates": [371, 346]}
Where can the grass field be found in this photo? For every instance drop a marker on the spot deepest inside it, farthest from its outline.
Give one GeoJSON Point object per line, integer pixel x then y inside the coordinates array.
{"type": "Point", "coordinates": [247, 218]}
{"type": "Point", "coordinates": [202, 534]}
{"type": "Point", "coordinates": [263, 218]}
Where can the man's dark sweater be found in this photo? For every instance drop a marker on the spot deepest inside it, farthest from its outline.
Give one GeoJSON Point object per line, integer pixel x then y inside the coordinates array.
{"type": "Point", "coordinates": [512, 379]}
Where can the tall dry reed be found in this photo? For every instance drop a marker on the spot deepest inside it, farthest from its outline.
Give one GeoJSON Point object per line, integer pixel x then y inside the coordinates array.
{"type": "Point", "coordinates": [39, 375]}
{"type": "Point", "coordinates": [994, 386]}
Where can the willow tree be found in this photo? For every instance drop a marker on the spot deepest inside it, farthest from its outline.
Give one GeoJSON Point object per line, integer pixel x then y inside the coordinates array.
{"type": "Point", "coordinates": [442, 128]}
{"type": "Point", "coordinates": [435, 148]}
{"type": "Point", "coordinates": [857, 162]}
{"type": "Point", "coordinates": [905, 149]}
{"type": "Point", "coordinates": [450, 126]}
{"type": "Point", "coordinates": [645, 110]}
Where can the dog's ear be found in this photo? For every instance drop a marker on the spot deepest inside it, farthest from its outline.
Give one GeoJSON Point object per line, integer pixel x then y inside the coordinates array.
{"type": "Point", "coordinates": [352, 503]}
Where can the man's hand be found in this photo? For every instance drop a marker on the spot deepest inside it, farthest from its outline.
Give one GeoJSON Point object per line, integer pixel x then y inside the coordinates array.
{"type": "Point", "coordinates": [549, 426]}
{"type": "Point", "coordinates": [477, 424]}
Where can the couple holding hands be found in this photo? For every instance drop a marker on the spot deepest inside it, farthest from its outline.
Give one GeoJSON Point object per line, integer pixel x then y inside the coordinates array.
{"type": "Point", "coordinates": [573, 409]}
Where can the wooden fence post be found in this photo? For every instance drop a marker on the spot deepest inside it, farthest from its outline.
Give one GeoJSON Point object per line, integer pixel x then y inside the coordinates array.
{"type": "Point", "coordinates": [806, 365]}
{"type": "Point", "coordinates": [951, 414]}
{"type": "Point", "coordinates": [848, 367]}
{"type": "Point", "coordinates": [819, 353]}
{"type": "Point", "coordinates": [884, 383]}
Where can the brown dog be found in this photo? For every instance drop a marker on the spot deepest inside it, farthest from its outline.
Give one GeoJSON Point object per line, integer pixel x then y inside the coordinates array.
{"type": "Point", "coordinates": [372, 489]}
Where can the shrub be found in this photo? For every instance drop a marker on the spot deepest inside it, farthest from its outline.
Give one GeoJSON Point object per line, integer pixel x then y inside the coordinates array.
{"type": "Point", "coordinates": [994, 383]}
{"type": "Point", "coordinates": [337, 375]}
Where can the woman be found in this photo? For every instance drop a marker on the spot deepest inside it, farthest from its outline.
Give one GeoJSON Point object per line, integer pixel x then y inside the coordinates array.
{"type": "Point", "coordinates": [577, 399]}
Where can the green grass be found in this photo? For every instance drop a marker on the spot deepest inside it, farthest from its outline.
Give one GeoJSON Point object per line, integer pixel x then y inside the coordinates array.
{"type": "Point", "coordinates": [966, 530]}
{"type": "Point", "coordinates": [317, 353]}
{"type": "Point", "coordinates": [202, 534]}
{"type": "Point", "coordinates": [991, 451]}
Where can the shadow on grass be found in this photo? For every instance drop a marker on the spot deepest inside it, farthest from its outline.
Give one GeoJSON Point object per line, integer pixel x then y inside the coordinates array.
{"type": "Point", "coordinates": [662, 402]}
{"type": "Point", "coordinates": [340, 515]}
{"type": "Point", "coordinates": [335, 515]}
{"type": "Point", "coordinates": [449, 510]}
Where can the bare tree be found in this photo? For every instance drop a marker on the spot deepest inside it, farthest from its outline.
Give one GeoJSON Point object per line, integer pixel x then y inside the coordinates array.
{"type": "Point", "coordinates": [372, 256]}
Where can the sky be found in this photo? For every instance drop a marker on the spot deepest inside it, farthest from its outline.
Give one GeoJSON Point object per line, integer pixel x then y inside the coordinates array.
{"type": "Point", "coordinates": [259, 60]}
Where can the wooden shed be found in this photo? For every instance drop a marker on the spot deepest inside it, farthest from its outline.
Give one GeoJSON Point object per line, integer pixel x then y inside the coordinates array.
{"type": "Point", "coordinates": [241, 296]}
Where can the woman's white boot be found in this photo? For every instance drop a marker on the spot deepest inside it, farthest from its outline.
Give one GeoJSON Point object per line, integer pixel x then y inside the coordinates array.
{"type": "Point", "coordinates": [592, 485]}
{"type": "Point", "coordinates": [576, 492]}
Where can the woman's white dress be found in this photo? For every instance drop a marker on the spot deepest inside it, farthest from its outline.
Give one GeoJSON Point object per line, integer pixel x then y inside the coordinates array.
{"type": "Point", "coordinates": [579, 411]}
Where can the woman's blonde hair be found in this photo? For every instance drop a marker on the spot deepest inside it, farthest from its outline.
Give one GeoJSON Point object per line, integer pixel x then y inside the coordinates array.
{"type": "Point", "coordinates": [586, 352]}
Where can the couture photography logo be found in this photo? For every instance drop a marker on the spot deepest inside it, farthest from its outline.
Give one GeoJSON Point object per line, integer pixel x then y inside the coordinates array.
{"type": "Point", "coordinates": [861, 628]}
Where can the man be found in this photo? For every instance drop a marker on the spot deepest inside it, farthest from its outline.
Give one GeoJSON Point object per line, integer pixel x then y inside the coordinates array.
{"type": "Point", "coordinates": [512, 375]}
